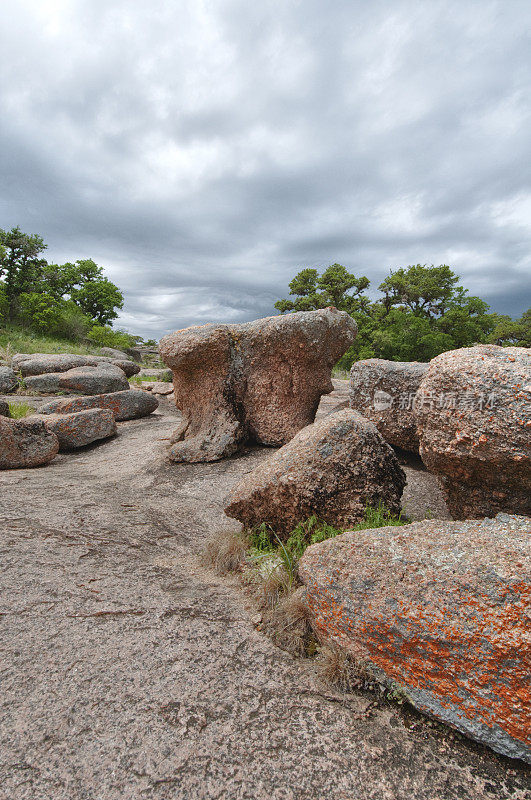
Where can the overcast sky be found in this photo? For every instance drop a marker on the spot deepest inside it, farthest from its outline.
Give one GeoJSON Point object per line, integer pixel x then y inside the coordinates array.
{"type": "Point", "coordinates": [204, 151]}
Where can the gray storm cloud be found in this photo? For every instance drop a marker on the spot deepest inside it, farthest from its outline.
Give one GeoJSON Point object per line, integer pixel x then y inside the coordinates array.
{"type": "Point", "coordinates": [203, 152]}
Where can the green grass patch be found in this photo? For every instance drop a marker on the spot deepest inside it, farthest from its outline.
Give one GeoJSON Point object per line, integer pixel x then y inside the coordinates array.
{"type": "Point", "coordinates": [20, 410]}
{"type": "Point", "coordinates": [19, 340]}
{"type": "Point", "coordinates": [151, 378]}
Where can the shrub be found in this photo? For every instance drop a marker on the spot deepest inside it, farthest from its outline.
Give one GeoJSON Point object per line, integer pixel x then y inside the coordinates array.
{"type": "Point", "coordinates": [105, 336]}
{"type": "Point", "coordinates": [20, 410]}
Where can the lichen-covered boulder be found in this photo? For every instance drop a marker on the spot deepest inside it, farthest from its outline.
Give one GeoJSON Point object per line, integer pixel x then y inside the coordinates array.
{"type": "Point", "coordinates": [474, 424]}
{"type": "Point", "coordinates": [81, 427]}
{"type": "Point", "coordinates": [130, 404]}
{"type": "Point", "coordinates": [384, 392]}
{"type": "Point", "coordinates": [8, 380]}
{"type": "Point", "coordinates": [43, 363]}
{"type": "Point", "coordinates": [439, 611]}
{"type": "Point", "coordinates": [259, 382]}
{"type": "Point", "coordinates": [25, 444]}
{"type": "Point", "coordinates": [100, 379]}
{"type": "Point", "coordinates": [333, 468]}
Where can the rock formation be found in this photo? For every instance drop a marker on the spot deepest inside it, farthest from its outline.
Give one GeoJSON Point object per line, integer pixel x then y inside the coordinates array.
{"type": "Point", "coordinates": [4, 409]}
{"type": "Point", "coordinates": [259, 382]}
{"type": "Point", "coordinates": [473, 416]}
{"type": "Point", "coordinates": [384, 392]}
{"type": "Point", "coordinates": [43, 363]}
{"type": "Point", "coordinates": [333, 468]}
{"type": "Point", "coordinates": [130, 404]}
{"type": "Point", "coordinates": [79, 428]}
{"type": "Point", "coordinates": [25, 444]}
{"type": "Point", "coordinates": [100, 379]}
{"type": "Point", "coordinates": [8, 380]}
{"type": "Point", "coordinates": [439, 611]}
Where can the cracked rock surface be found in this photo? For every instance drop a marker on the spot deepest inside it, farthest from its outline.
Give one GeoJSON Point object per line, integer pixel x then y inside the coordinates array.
{"type": "Point", "coordinates": [128, 672]}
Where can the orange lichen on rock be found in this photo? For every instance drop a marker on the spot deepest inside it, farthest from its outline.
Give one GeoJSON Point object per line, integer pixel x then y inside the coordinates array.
{"type": "Point", "coordinates": [441, 609]}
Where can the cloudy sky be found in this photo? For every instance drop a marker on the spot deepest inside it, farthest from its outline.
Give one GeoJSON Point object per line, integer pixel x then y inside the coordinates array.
{"type": "Point", "coordinates": [203, 151]}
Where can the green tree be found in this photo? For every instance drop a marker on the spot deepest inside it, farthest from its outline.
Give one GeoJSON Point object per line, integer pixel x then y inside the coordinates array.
{"type": "Point", "coordinates": [512, 332]}
{"type": "Point", "coordinates": [20, 264]}
{"type": "Point", "coordinates": [335, 287]}
{"type": "Point", "coordinates": [99, 299]}
{"type": "Point", "coordinates": [425, 290]}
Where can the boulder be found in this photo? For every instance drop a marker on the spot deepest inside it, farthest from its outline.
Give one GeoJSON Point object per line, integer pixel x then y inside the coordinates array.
{"type": "Point", "coordinates": [333, 468]}
{"type": "Point", "coordinates": [25, 444]}
{"type": "Point", "coordinates": [438, 611]}
{"type": "Point", "coordinates": [384, 392]}
{"type": "Point", "coordinates": [472, 410]}
{"type": "Point", "coordinates": [256, 382]}
{"type": "Point", "coordinates": [4, 408]}
{"type": "Point", "coordinates": [43, 363]}
{"type": "Point", "coordinates": [158, 387]}
{"type": "Point", "coordinates": [111, 352]}
{"type": "Point", "coordinates": [84, 380]}
{"type": "Point", "coordinates": [8, 380]}
{"type": "Point", "coordinates": [81, 427]}
{"type": "Point", "coordinates": [130, 404]}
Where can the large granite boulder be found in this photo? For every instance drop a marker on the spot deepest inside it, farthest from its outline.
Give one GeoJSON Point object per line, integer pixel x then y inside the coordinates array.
{"type": "Point", "coordinates": [130, 404]}
{"type": "Point", "coordinates": [384, 392]}
{"type": "Point", "coordinates": [259, 382]}
{"type": "Point", "coordinates": [333, 468]}
{"type": "Point", "coordinates": [111, 352]}
{"type": "Point", "coordinates": [25, 444]}
{"type": "Point", "coordinates": [83, 380]}
{"type": "Point", "coordinates": [79, 428]}
{"type": "Point", "coordinates": [473, 417]}
{"type": "Point", "coordinates": [43, 363]}
{"type": "Point", "coordinates": [8, 380]}
{"type": "Point", "coordinates": [439, 611]}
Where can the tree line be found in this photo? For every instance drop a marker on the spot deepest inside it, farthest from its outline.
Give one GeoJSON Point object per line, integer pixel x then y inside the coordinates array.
{"type": "Point", "coordinates": [72, 301]}
{"type": "Point", "coordinates": [423, 311]}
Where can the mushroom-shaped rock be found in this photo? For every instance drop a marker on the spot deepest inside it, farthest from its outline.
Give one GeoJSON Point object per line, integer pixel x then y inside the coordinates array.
{"type": "Point", "coordinates": [334, 468]}
{"type": "Point", "coordinates": [473, 417]}
{"type": "Point", "coordinates": [130, 404]}
{"type": "Point", "coordinates": [81, 427]}
{"type": "Point", "coordinates": [384, 392]}
{"type": "Point", "coordinates": [439, 611]}
{"type": "Point", "coordinates": [25, 443]}
{"type": "Point", "coordinates": [260, 381]}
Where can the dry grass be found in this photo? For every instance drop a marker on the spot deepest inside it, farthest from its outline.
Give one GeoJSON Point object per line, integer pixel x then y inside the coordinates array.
{"type": "Point", "coordinates": [225, 552]}
{"type": "Point", "coordinates": [337, 669]}
{"type": "Point", "coordinates": [288, 625]}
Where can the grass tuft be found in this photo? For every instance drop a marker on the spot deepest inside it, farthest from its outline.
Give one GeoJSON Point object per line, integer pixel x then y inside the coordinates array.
{"type": "Point", "coordinates": [20, 410]}
{"type": "Point", "coordinates": [225, 552]}
{"type": "Point", "coordinates": [337, 669]}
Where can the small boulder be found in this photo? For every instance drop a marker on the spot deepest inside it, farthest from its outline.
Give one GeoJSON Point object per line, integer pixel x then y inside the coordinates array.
{"type": "Point", "coordinates": [384, 392]}
{"type": "Point", "coordinates": [333, 468]}
{"type": "Point", "coordinates": [130, 404]}
{"type": "Point", "coordinates": [472, 411]}
{"type": "Point", "coordinates": [84, 380]}
{"type": "Point", "coordinates": [25, 443]}
{"type": "Point", "coordinates": [81, 427]}
{"type": "Point", "coordinates": [8, 380]}
{"type": "Point", "coordinates": [111, 352]}
{"type": "Point", "coordinates": [4, 409]}
{"type": "Point", "coordinates": [260, 381]}
{"type": "Point", "coordinates": [437, 610]}
{"type": "Point", "coordinates": [44, 363]}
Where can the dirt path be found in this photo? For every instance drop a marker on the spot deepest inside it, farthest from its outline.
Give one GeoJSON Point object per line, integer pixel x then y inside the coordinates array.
{"type": "Point", "coordinates": [129, 672]}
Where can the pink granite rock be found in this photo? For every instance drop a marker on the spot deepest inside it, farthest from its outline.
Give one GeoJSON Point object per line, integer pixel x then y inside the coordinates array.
{"type": "Point", "coordinates": [473, 411]}
{"type": "Point", "coordinates": [333, 468]}
{"type": "Point", "coordinates": [256, 382]}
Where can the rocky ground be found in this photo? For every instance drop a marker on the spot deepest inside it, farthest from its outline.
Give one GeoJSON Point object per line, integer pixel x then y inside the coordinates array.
{"type": "Point", "coordinates": [128, 671]}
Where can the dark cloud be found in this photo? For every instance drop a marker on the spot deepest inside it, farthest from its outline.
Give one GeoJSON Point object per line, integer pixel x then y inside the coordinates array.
{"type": "Point", "coordinates": [204, 152]}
